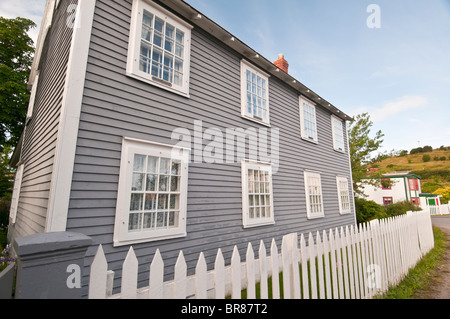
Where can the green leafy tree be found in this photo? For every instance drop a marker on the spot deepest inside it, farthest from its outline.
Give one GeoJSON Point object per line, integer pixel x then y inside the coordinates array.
{"type": "Point", "coordinates": [16, 57]}
{"type": "Point", "coordinates": [362, 145]}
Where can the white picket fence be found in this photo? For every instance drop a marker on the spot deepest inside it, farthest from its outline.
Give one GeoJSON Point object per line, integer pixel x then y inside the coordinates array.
{"type": "Point", "coordinates": [350, 262]}
{"type": "Point", "coordinates": [440, 210]}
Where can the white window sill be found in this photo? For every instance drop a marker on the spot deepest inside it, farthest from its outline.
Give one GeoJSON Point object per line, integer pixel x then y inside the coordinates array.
{"type": "Point", "coordinates": [119, 243]}
{"type": "Point", "coordinates": [157, 84]}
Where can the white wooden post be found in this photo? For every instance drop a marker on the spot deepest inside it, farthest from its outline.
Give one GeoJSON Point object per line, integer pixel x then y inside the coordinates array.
{"type": "Point", "coordinates": [320, 268]}
{"type": "Point", "coordinates": [200, 277]}
{"type": "Point", "coordinates": [180, 284]}
{"type": "Point", "coordinates": [326, 254]}
{"type": "Point", "coordinates": [235, 274]}
{"type": "Point", "coordinates": [250, 267]}
{"type": "Point", "coordinates": [286, 259]}
{"type": "Point", "coordinates": [156, 289]}
{"type": "Point", "coordinates": [304, 260]}
{"type": "Point", "coordinates": [339, 264]}
{"type": "Point", "coordinates": [312, 266]}
{"type": "Point", "coordinates": [264, 290]}
{"type": "Point", "coordinates": [98, 277]}
{"type": "Point", "coordinates": [129, 276]}
{"type": "Point", "coordinates": [274, 262]}
{"type": "Point", "coordinates": [334, 275]}
{"type": "Point", "coordinates": [219, 275]}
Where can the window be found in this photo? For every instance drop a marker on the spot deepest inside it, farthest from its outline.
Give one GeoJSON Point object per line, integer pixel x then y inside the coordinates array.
{"type": "Point", "coordinates": [314, 201]}
{"type": "Point", "coordinates": [257, 195]}
{"type": "Point", "coordinates": [343, 195]}
{"type": "Point", "coordinates": [338, 133]}
{"type": "Point", "coordinates": [16, 193]}
{"type": "Point", "coordinates": [386, 183]}
{"type": "Point", "coordinates": [415, 201]}
{"type": "Point", "coordinates": [255, 94]}
{"type": "Point", "coordinates": [152, 192]}
{"type": "Point", "coordinates": [414, 184]}
{"type": "Point", "coordinates": [387, 201]}
{"type": "Point", "coordinates": [159, 51]}
{"type": "Point", "coordinates": [308, 124]}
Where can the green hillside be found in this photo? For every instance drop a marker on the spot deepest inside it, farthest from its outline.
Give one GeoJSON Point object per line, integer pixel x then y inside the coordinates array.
{"type": "Point", "coordinates": [435, 173]}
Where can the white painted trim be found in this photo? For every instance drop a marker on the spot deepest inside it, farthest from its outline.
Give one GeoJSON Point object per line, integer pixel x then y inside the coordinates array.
{"type": "Point", "coordinates": [338, 180]}
{"type": "Point", "coordinates": [333, 131]}
{"type": "Point", "coordinates": [309, 214]}
{"type": "Point", "coordinates": [132, 69]}
{"type": "Point", "coordinates": [302, 100]}
{"type": "Point", "coordinates": [32, 98]}
{"type": "Point", "coordinates": [130, 147]}
{"type": "Point", "coordinates": [16, 193]}
{"type": "Point", "coordinates": [69, 119]}
{"type": "Point", "coordinates": [245, 65]}
{"type": "Point", "coordinates": [246, 220]}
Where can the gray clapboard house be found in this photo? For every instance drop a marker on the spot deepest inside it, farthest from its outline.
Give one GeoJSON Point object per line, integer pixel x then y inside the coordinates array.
{"type": "Point", "coordinates": [150, 125]}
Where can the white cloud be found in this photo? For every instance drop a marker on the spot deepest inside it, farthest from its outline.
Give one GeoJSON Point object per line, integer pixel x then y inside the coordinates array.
{"type": "Point", "coordinates": [400, 105]}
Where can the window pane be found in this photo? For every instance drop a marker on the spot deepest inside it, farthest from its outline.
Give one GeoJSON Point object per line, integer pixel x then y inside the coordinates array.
{"type": "Point", "coordinates": [159, 24]}
{"type": "Point", "coordinates": [161, 220]}
{"type": "Point", "coordinates": [174, 202]}
{"type": "Point", "coordinates": [163, 201]}
{"type": "Point", "coordinates": [152, 164]}
{"type": "Point", "coordinates": [163, 183]}
{"type": "Point", "coordinates": [149, 221]}
{"type": "Point", "coordinates": [151, 183]}
{"type": "Point", "coordinates": [136, 202]}
{"type": "Point", "coordinates": [175, 167]}
{"type": "Point", "coordinates": [139, 162]}
{"type": "Point", "coordinates": [137, 182]}
{"type": "Point", "coordinates": [165, 165]}
{"type": "Point", "coordinates": [173, 219]}
{"type": "Point", "coordinates": [174, 184]}
{"type": "Point", "coordinates": [134, 222]}
{"type": "Point", "coordinates": [180, 37]}
{"type": "Point", "coordinates": [150, 202]}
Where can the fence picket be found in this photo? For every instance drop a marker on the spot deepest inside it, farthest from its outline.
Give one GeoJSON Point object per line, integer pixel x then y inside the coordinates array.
{"type": "Point", "coordinates": [180, 282]}
{"type": "Point", "coordinates": [264, 290]}
{"type": "Point", "coordinates": [350, 262]}
{"type": "Point", "coordinates": [304, 261]}
{"type": "Point", "coordinates": [320, 268]}
{"type": "Point", "coordinates": [286, 260]}
{"type": "Point", "coordinates": [129, 276]}
{"type": "Point", "coordinates": [219, 275]}
{"type": "Point", "coordinates": [274, 262]}
{"type": "Point", "coordinates": [156, 289]}
{"type": "Point", "coordinates": [326, 257]}
{"type": "Point", "coordinates": [333, 266]}
{"type": "Point", "coordinates": [235, 274]}
{"type": "Point", "coordinates": [312, 266]}
{"type": "Point", "coordinates": [200, 277]}
{"type": "Point", "coordinates": [250, 267]}
{"type": "Point", "coordinates": [339, 264]}
{"type": "Point", "coordinates": [98, 278]}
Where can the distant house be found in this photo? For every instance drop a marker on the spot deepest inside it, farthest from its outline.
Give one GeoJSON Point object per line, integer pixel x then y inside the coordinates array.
{"type": "Point", "coordinates": [150, 125]}
{"type": "Point", "coordinates": [395, 187]}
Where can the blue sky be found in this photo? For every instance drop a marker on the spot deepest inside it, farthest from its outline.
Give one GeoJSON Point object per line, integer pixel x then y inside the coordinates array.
{"type": "Point", "coordinates": [399, 73]}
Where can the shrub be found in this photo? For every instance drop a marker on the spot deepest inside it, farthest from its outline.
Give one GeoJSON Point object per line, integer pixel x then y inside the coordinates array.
{"type": "Point", "coordinates": [367, 210]}
{"type": "Point", "coordinates": [436, 158]}
{"type": "Point", "coordinates": [442, 158]}
{"type": "Point", "coordinates": [431, 187]}
{"type": "Point", "coordinates": [426, 158]}
{"type": "Point", "coordinates": [400, 208]}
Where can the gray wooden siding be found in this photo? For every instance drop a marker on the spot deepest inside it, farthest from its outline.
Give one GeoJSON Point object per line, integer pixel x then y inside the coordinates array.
{"type": "Point", "coordinates": [115, 105]}
{"type": "Point", "coordinates": [41, 133]}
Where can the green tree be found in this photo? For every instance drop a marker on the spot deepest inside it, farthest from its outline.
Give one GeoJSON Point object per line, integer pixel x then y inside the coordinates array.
{"type": "Point", "coordinates": [16, 57]}
{"type": "Point", "coordinates": [362, 145]}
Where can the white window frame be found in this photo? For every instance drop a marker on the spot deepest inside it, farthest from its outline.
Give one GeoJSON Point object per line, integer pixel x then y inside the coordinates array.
{"type": "Point", "coordinates": [134, 48]}
{"type": "Point", "coordinates": [249, 222]}
{"type": "Point", "coordinates": [16, 194]}
{"type": "Point", "coordinates": [338, 133]}
{"type": "Point", "coordinates": [310, 213]}
{"type": "Point", "coordinates": [130, 147]}
{"type": "Point", "coordinates": [246, 66]}
{"type": "Point", "coordinates": [303, 119]}
{"type": "Point", "coordinates": [343, 193]}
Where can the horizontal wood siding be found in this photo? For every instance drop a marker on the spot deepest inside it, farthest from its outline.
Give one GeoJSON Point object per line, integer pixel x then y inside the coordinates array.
{"type": "Point", "coordinates": [115, 106]}
{"type": "Point", "coordinates": [41, 132]}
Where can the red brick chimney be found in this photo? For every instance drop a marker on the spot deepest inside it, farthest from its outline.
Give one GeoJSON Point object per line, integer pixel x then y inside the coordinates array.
{"type": "Point", "coordinates": [282, 63]}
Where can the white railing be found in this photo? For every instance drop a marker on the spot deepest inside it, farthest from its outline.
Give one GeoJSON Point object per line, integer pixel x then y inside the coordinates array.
{"type": "Point", "coordinates": [348, 263]}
